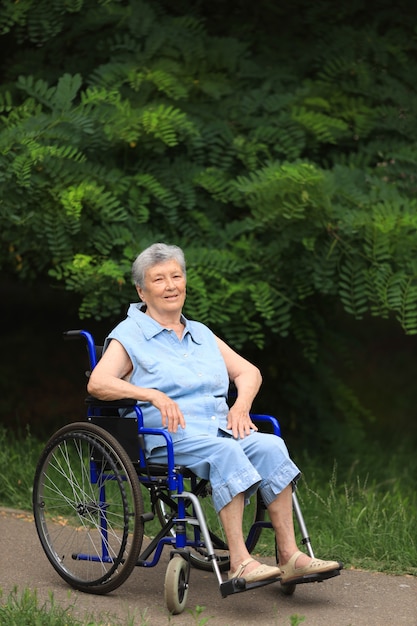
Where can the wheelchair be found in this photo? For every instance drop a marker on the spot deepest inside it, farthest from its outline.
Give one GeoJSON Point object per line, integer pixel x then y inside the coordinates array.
{"type": "Point", "coordinates": [90, 487]}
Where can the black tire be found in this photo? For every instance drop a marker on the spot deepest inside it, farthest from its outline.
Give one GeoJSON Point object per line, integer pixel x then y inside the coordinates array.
{"type": "Point", "coordinates": [88, 508]}
{"type": "Point", "coordinates": [288, 588]}
{"type": "Point", "coordinates": [254, 512]}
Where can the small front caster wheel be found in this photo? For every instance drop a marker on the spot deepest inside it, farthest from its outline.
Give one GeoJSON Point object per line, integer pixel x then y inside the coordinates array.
{"type": "Point", "coordinates": [288, 589]}
{"type": "Point", "coordinates": [176, 585]}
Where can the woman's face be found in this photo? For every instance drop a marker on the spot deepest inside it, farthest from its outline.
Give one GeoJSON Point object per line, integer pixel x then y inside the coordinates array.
{"type": "Point", "coordinates": [165, 288]}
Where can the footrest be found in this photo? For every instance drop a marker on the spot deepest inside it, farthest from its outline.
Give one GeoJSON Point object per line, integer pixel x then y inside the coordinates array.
{"type": "Point", "coordinates": [234, 585]}
{"type": "Point", "coordinates": [237, 585]}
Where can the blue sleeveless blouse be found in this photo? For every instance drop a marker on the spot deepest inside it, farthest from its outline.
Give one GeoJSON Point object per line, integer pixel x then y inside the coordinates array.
{"type": "Point", "coordinates": [190, 371]}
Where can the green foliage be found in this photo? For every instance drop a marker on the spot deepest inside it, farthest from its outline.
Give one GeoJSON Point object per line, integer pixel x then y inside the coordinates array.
{"type": "Point", "coordinates": [288, 178]}
{"type": "Point", "coordinates": [25, 607]}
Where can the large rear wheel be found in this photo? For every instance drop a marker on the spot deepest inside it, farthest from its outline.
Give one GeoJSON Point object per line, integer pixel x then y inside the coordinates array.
{"type": "Point", "coordinates": [88, 508]}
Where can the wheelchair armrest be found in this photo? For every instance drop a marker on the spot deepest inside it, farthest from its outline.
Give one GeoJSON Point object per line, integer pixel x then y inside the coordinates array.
{"type": "Point", "coordinates": [122, 403]}
{"type": "Point", "coordinates": [270, 419]}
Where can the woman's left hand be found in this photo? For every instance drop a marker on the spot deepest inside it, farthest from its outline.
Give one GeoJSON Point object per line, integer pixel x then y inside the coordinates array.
{"type": "Point", "coordinates": [239, 422]}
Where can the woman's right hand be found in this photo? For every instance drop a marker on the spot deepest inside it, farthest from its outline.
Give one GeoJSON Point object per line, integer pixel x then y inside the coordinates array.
{"type": "Point", "coordinates": [171, 413]}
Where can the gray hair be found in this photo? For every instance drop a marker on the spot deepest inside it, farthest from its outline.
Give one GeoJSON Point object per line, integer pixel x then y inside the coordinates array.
{"type": "Point", "coordinates": [156, 253]}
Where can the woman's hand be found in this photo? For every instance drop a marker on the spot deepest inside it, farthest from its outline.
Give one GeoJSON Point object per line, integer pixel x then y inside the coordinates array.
{"type": "Point", "coordinates": [171, 413]}
{"type": "Point", "coordinates": [239, 422]}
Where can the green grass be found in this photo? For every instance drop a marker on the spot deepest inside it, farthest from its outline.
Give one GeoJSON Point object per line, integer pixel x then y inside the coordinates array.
{"type": "Point", "coordinates": [364, 515]}
{"type": "Point", "coordinates": [365, 520]}
{"type": "Point", "coordinates": [18, 458]}
{"type": "Point", "coordinates": [24, 609]}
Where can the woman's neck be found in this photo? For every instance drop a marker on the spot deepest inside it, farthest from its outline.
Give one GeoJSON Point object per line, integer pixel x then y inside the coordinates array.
{"type": "Point", "coordinates": [171, 321]}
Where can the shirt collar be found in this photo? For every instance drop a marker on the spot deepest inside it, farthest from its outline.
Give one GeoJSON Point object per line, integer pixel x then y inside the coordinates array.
{"type": "Point", "coordinates": [151, 327]}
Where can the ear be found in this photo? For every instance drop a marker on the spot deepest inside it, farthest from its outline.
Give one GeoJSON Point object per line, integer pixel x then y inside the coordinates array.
{"type": "Point", "coordinates": [140, 293]}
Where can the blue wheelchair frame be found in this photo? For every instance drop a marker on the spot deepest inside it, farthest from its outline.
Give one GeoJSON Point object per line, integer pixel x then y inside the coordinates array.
{"type": "Point", "coordinates": [176, 484]}
{"type": "Point", "coordinates": [168, 482]}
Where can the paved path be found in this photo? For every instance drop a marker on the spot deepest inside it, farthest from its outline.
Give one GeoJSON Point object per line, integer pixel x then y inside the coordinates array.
{"type": "Point", "coordinates": [355, 598]}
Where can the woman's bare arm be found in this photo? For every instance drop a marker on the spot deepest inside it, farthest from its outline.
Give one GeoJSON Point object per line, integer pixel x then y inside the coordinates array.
{"type": "Point", "coordinates": [247, 379]}
{"type": "Point", "coordinates": [109, 380]}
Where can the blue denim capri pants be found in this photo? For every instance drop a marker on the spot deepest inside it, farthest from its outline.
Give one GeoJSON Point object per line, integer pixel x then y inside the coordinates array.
{"type": "Point", "coordinates": [233, 466]}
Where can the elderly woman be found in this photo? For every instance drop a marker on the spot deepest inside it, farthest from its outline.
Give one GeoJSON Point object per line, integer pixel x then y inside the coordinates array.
{"type": "Point", "coordinates": [179, 373]}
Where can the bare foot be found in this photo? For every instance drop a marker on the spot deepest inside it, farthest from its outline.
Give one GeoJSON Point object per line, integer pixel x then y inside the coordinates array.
{"type": "Point", "coordinates": [302, 560]}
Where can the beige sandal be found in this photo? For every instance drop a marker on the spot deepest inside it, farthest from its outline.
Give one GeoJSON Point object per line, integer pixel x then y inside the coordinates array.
{"type": "Point", "coordinates": [316, 566]}
{"type": "Point", "coordinates": [262, 572]}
